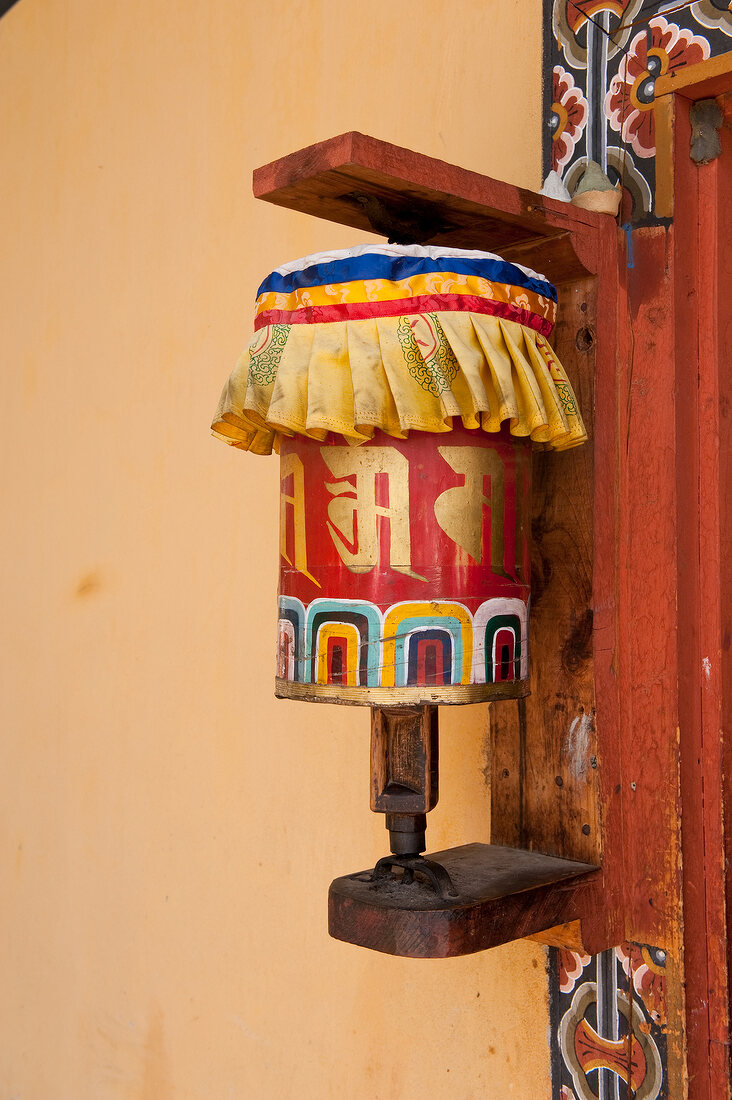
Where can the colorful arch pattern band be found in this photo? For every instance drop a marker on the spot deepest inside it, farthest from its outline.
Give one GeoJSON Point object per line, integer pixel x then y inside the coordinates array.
{"type": "Point", "coordinates": [438, 643]}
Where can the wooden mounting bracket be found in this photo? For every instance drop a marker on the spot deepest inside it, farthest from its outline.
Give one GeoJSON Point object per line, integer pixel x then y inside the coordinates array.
{"type": "Point", "coordinates": [483, 895]}
{"type": "Point", "coordinates": [501, 894]}
{"type": "Point", "coordinates": [553, 786]}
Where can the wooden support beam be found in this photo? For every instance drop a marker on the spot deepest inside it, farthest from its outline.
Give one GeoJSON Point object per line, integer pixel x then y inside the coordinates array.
{"type": "Point", "coordinates": [708, 80]}
{"type": "Point", "coordinates": [357, 180]}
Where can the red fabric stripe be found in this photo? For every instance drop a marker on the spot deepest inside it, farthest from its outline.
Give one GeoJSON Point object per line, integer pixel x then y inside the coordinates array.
{"type": "Point", "coordinates": [428, 303]}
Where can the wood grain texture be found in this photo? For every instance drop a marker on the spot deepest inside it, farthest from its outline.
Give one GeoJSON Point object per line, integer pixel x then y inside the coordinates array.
{"type": "Point", "coordinates": [404, 759]}
{"type": "Point", "coordinates": [558, 757]}
{"type": "Point", "coordinates": [663, 117]}
{"type": "Point", "coordinates": [723, 334]}
{"type": "Point", "coordinates": [545, 792]}
{"type": "Point", "coordinates": [502, 894]}
{"type": "Point", "coordinates": [647, 659]}
{"type": "Point", "coordinates": [703, 335]}
{"type": "Point", "coordinates": [604, 927]}
{"type": "Point", "coordinates": [567, 935]}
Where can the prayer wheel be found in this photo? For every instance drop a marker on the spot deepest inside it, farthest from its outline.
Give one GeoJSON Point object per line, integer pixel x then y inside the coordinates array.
{"type": "Point", "coordinates": [415, 587]}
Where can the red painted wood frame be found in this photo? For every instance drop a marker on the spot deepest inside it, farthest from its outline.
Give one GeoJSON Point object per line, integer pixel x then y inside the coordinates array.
{"type": "Point", "coordinates": [700, 327]}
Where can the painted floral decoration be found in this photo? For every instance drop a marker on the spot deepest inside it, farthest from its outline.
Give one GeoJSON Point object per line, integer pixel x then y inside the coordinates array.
{"type": "Point", "coordinates": [662, 49]}
{"type": "Point", "coordinates": [568, 116]}
{"type": "Point", "coordinates": [571, 965]}
{"type": "Point", "coordinates": [715, 14]}
{"type": "Point", "coordinates": [570, 17]}
{"type": "Point", "coordinates": [647, 968]}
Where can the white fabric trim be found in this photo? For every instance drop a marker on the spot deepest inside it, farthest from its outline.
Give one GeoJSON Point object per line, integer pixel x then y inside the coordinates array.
{"type": "Point", "coordinates": [432, 252]}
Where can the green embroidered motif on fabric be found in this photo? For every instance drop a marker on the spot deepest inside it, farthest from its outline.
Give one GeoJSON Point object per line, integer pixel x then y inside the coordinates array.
{"type": "Point", "coordinates": [263, 363]}
{"type": "Point", "coordinates": [435, 372]}
{"type": "Point", "coordinates": [567, 398]}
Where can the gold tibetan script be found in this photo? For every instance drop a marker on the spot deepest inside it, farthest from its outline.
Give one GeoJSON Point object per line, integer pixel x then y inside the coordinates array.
{"type": "Point", "coordinates": [291, 465]}
{"type": "Point", "coordinates": [353, 511]}
{"type": "Point", "coordinates": [459, 511]}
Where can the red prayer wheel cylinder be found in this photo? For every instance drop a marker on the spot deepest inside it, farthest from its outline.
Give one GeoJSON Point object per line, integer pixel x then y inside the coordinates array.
{"type": "Point", "coordinates": [405, 571]}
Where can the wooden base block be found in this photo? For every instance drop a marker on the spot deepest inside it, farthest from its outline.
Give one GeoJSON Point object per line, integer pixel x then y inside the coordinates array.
{"type": "Point", "coordinates": [503, 894]}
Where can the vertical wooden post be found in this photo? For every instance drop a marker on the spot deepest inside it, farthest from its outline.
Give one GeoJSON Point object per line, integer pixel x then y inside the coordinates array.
{"type": "Point", "coordinates": [404, 772]}
{"type": "Point", "coordinates": [703, 340]}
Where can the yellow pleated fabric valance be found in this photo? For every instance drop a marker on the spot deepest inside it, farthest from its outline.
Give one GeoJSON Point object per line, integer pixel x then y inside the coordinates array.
{"type": "Point", "coordinates": [400, 338]}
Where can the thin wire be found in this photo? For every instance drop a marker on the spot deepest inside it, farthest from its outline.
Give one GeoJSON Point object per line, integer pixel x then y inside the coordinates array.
{"type": "Point", "coordinates": [646, 19]}
{"type": "Point", "coordinates": [633, 22]}
{"type": "Point", "coordinates": [598, 25]}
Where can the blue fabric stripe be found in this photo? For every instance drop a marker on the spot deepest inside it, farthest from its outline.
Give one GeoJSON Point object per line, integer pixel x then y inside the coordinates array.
{"type": "Point", "coordinates": [376, 266]}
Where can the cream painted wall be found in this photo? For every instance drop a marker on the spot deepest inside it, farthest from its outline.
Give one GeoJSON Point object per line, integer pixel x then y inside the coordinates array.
{"type": "Point", "coordinates": [168, 829]}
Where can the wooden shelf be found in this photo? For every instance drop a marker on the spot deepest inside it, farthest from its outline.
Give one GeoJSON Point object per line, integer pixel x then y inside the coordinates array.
{"type": "Point", "coordinates": [456, 207]}
{"type": "Point", "coordinates": [502, 894]}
